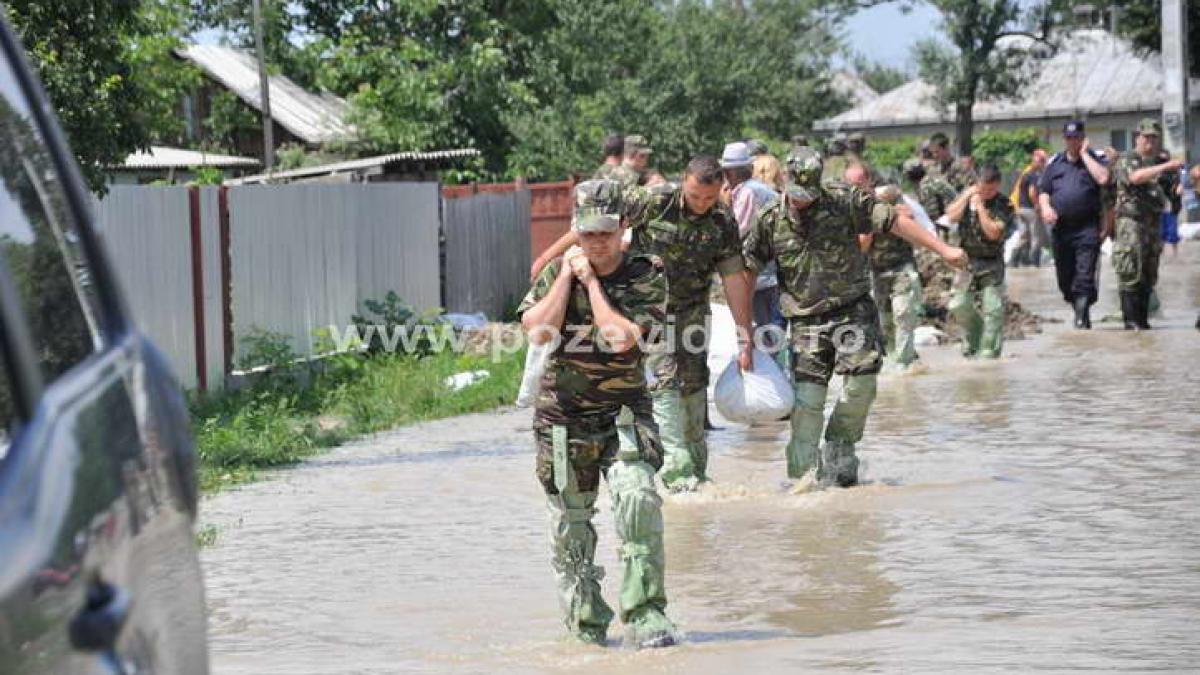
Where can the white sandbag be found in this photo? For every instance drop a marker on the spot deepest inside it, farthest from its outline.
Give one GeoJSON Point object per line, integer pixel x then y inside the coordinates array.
{"type": "Point", "coordinates": [761, 395]}
{"type": "Point", "coordinates": [1189, 231]}
{"type": "Point", "coordinates": [919, 213]}
{"type": "Point", "coordinates": [722, 338]}
{"type": "Point", "coordinates": [459, 381]}
{"type": "Point", "coordinates": [1011, 244]}
{"type": "Point", "coordinates": [928, 336]}
{"type": "Point", "coordinates": [1106, 248]}
{"type": "Point", "coordinates": [531, 381]}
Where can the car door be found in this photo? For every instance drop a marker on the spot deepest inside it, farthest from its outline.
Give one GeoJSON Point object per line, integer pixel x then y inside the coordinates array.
{"type": "Point", "coordinates": [98, 566]}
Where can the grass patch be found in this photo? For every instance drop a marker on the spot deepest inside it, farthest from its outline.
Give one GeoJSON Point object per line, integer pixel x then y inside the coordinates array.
{"type": "Point", "coordinates": [285, 415]}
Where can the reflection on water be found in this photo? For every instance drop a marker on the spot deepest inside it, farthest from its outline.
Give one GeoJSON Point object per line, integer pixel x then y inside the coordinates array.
{"type": "Point", "coordinates": [1034, 513]}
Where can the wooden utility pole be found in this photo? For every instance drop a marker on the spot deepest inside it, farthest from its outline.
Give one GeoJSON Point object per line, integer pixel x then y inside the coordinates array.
{"type": "Point", "coordinates": [264, 91]}
{"type": "Point", "coordinates": [1176, 128]}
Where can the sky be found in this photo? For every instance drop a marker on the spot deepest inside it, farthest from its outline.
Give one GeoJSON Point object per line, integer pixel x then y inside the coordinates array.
{"type": "Point", "coordinates": [886, 35]}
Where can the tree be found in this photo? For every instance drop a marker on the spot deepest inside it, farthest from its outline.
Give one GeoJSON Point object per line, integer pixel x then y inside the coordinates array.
{"type": "Point", "coordinates": [107, 70]}
{"type": "Point", "coordinates": [976, 65]}
{"type": "Point", "coordinates": [879, 76]}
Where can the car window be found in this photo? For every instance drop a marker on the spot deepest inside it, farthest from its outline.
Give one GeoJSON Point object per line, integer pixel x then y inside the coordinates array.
{"type": "Point", "coordinates": [39, 242]}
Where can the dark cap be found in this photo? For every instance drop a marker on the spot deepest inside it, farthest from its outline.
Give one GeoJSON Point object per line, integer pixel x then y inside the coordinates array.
{"type": "Point", "coordinates": [1073, 129]}
{"type": "Point", "coordinates": [637, 143]}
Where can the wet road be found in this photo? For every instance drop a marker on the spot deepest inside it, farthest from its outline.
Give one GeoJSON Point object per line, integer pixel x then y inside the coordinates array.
{"type": "Point", "coordinates": [1038, 513]}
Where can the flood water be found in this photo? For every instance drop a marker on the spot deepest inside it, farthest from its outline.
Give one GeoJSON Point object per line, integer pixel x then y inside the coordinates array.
{"type": "Point", "coordinates": [1038, 513]}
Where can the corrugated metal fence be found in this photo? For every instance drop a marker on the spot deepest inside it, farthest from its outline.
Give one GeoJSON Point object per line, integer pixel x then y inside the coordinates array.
{"type": "Point", "coordinates": [204, 267]}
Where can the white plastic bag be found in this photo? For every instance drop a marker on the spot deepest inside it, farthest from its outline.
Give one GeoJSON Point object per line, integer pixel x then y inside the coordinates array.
{"type": "Point", "coordinates": [761, 395]}
{"type": "Point", "coordinates": [919, 213]}
{"type": "Point", "coordinates": [535, 364]}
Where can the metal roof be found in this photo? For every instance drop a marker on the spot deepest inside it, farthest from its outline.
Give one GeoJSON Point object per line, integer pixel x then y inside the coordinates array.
{"type": "Point", "coordinates": [356, 165]}
{"type": "Point", "coordinates": [315, 118]}
{"type": "Point", "coordinates": [1093, 73]}
{"type": "Point", "coordinates": [853, 87]}
{"type": "Point", "coordinates": [160, 157]}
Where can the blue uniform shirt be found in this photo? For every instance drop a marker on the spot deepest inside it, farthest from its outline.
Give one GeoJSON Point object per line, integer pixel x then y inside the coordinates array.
{"type": "Point", "coordinates": [1073, 192]}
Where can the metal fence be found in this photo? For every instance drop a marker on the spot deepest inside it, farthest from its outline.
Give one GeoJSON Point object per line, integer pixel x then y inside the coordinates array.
{"type": "Point", "coordinates": [487, 251]}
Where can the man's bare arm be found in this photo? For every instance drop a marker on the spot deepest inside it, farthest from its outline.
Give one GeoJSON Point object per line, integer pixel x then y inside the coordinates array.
{"type": "Point", "coordinates": [908, 229]}
{"type": "Point", "coordinates": [543, 322]}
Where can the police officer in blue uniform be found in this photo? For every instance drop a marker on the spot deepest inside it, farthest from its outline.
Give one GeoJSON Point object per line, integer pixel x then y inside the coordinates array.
{"type": "Point", "coordinates": [1069, 201]}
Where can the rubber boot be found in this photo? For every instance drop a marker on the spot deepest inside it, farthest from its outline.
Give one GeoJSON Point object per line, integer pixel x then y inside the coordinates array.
{"type": "Point", "coordinates": [1129, 300]}
{"type": "Point", "coordinates": [573, 538]}
{"type": "Point", "coordinates": [1143, 309]}
{"type": "Point", "coordinates": [1082, 319]}
{"type": "Point", "coordinates": [808, 418]}
{"type": "Point", "coordinates": [678, 470]}
{"type": "Point", "coordinates": [637, 517]}
{"type": "Point", "coordinates": [962, 306]}
{"type": "Point", "coordinates": [839, 465]}
{"type": "Point", "coordinates": [992, 339]}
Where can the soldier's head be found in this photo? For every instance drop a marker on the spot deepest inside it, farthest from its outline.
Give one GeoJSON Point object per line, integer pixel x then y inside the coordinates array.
{"type": "Point", "coordinates": [1073, 136]}
{"type": "Point", "coordinates": [614, 146]}
{"type": "Point", "coordinates": [702, 181]}
{"type": "Point", "coordinates": [597, 220]}
{"type": "Point", "coordinates": [637, 151]}
{"type": "Point", "coordinates": [857, 174]}
{"type": "Point", "coordinates": [804, 167]}
{"type": "Point", "coordinates": [939, 146]}
{"type": "Point", "coordinates": [836, 145]}
{"type": "Point", "coordinates": [800, 139]}
{"type": "Point", "coordinates": [1149, 137]}
{"type": "Point", "coordinates": [856, 143]}
{"type": "Point", "coordinates": [913, 170]}
{"type": "Point", "coordinates": [989, 181]}
{"type": "Point", "coordinates": [1039, 158]}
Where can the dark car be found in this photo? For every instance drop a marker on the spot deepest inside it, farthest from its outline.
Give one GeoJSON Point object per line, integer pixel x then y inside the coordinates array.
{"type": "Point", "coordinates": [99, 571]}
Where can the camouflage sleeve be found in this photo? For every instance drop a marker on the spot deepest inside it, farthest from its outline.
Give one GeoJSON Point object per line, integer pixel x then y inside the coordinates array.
{"type": "Point", "coordinates": [729, 253]}
{"type": "Point", "coordinates": [1003, 211]}
{"type": "Point", "coordinates": [644, 301]}
{"type": "Point", "coordinates": [1122, 170]}
{"type": "Point", "coordinates": [869, 214]}
{"type": "Point", "coordinates": [757, 248]}
{"type": "Point", "coordinates": [641, 204]}
{"type": "Point", "coordinates": [541, 286]}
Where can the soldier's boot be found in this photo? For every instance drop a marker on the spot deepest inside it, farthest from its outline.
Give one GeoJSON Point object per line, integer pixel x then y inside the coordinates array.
{"type": "Point", "coordinates": [1082, 318]}
{"type": "Point", "coordinates": [637, 517]}
{"type": "Point", "coordinates": [1129, 302]}
{"type": "Point", "coordinates": [992, 340]}
{"type": "Point", "coordinates": [678, 471]}
{"type": "Point", "coordinates": [695, 407]}
{"type": "Point", "coordinates": [962, 307]}
{"type": "Point", "coordinates": [808, 419]}
{"type": "Point", "coordinates": [1143, 308]}
{"type": "Point", "coordinates": [839, 465]}
{"type": "Point", "coordinates": [573, 539]}
{"type": "Point", "coordinates": [905, 308]}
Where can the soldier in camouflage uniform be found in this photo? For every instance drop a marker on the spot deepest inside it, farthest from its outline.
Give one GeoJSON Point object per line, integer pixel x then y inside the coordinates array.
{"type": "Point", "coordinates": [696, 237]}
{"type": "Point", "coordinates": [835, 160]}
{"type": "Point", "coordinates": [811, 232]}
{"type": "Point", "coordinates": [941, 161]}
{"type": "Point", "coordinates": [632, 171]}
{"type": "Point", "coordinates": [896, 283]}
{"type": "Point", "coordinates": [602, 303]}
{"type": "Point", "coordinates": [935, 194]}
{"type": "Point", "coordinates": [985, 217]}
{"type": "Point", "coordinates": [1137, 243]}
{"type": "Point", "coordinates": [614, 150]}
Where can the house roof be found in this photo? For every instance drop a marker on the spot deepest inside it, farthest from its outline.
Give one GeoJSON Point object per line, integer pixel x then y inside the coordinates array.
{"type": "Point", "coordinates": [314, 118]}
{"type": "Point", "coordinates": [360, 165]}
{"type": "Point", "coordinates": [160, 157]}
{"type": "Point", "coordinates": [853, 87]}
{"type": "Point", "coordinates": [1093, 73]}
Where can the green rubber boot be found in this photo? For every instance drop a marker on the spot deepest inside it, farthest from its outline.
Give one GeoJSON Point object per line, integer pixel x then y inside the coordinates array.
{"type": "Point", "coordinates": [808, 418]}
{"type": "Point", "coordinates": [839, 465]}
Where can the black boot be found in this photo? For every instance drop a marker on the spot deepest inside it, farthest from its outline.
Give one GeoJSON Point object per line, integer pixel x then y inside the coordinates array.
{"type": "Point", "coordinates": [1143, 309]}
{"type": "Point", "coordinates": [1129, 311]}
{"type": "Point", "coordinates": [1082, 320]}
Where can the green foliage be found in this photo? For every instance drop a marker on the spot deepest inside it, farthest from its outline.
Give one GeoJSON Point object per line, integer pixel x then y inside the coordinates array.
{"type": "Point", "coordinates": [107, 70]}
{"type": "Point", "coordinates": [393, 314]}
{"type": "Point", "coordinates": [887, 155]}
{"type": "Point", "coordinates": [207, 175]}
{"type": "Point", "coordinates": [879, 76]}
{"type": "Point", "coordinates": [1009, 150]}
{"type": "Point", "coordinates": [1141, 22]}
{"type": "Point", "coordinates": [228, 119]}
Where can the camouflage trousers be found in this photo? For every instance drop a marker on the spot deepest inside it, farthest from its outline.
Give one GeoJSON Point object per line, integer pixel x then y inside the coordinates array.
{"type": "Point", "coordinates": [571, 458]}
{"type": "Point", "coordinates": [682, 363]}
{"type": "Point", "coordinates": [983, 280]}
{"type": "Point", "coordinates": [898, 294]}
{"type": "Point", "coordinates": [1137, 247]}
{"type": "Point", "coordinates": [848, 341]}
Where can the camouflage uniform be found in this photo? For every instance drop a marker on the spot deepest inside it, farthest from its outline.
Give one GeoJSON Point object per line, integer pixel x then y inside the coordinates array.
{"type": "Point", "coordinates": [1137, 244]}
{"type": "Point", "coordinates": [692, 249]}
{"type": "Point", "coordinates": [897, 291]}
{"type": "Point", "coordinates": [935, 194]}
{"type": "Point", "coordinates": [606, 172]}
{"type": "Point", "coordinates": [627, 176]}
{"type": "Point", "coordinates": [584, 386]}
{"type": "Point", "coordinates": [826, 299]}
{"type": "Point", "coordinates": [984, 276]}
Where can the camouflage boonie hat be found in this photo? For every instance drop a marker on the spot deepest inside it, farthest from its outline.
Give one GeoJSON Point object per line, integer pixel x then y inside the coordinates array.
{"type": "Point", "coordinates": [804, 166]}
{"type": "Point", "coordinates": [598, 206]}
{"type": "Point", "coordinates": [1149, 126]}
{"type": "Point", "coordinates": [637, 143]}
{"type": "Point", "coordinates": [911, 166]}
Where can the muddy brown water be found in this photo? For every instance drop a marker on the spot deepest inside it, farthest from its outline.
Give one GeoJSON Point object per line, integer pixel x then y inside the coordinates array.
{"type": "Point", "coordinates": [1038, 513]}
